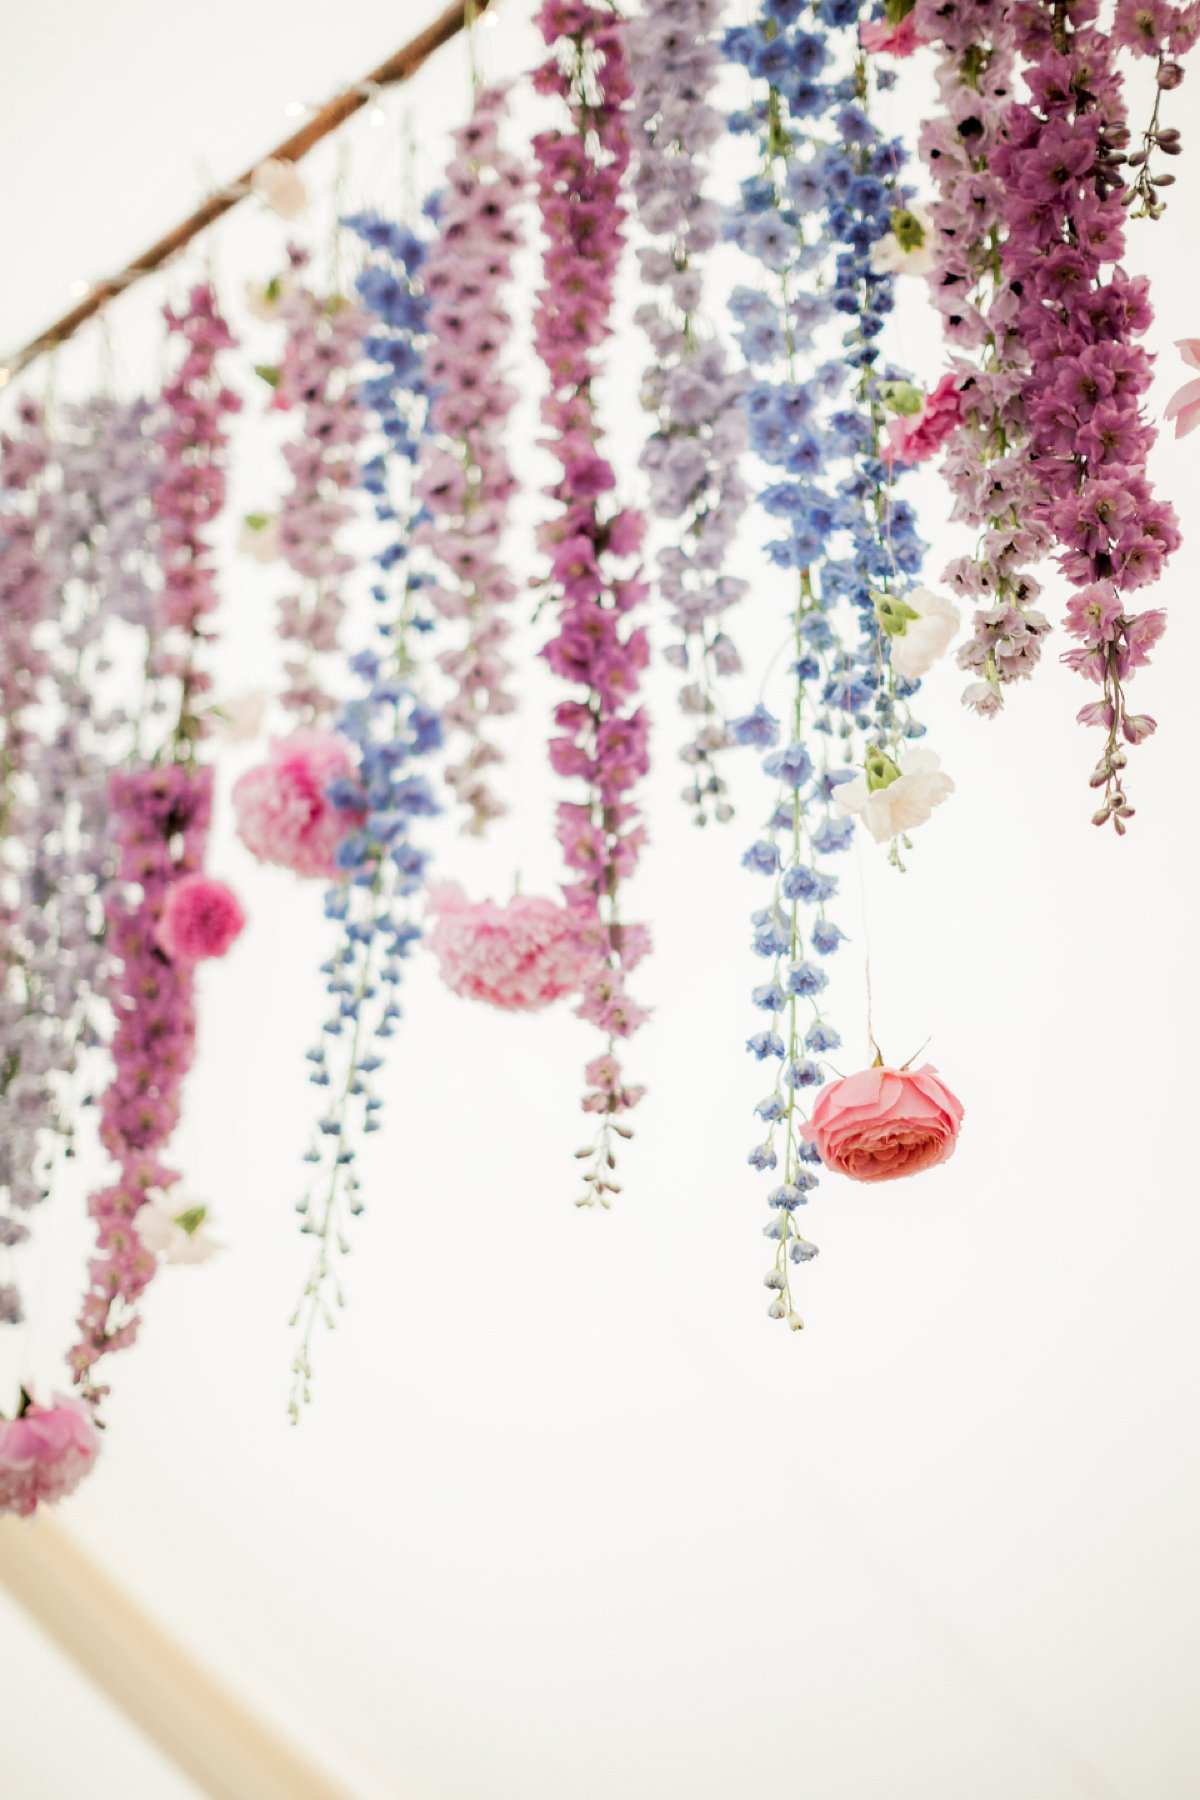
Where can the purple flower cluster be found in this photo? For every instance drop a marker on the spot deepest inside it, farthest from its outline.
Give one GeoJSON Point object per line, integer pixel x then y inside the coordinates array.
{"type": "Point", "coordinates": [465, 480]}
{"type": "Point", "coordinates": [692, 458]}
{"type": "Point", "coordinates": [1062, 198]}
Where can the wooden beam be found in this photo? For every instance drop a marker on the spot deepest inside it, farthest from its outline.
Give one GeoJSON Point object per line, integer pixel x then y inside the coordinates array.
{"type": "Point", "coordinates": [205, 1731]}
{"type": "Point", "coordinates": [397, 68]}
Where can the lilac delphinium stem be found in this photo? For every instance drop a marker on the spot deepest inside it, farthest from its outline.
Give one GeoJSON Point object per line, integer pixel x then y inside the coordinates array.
{"type": "Point", "coordinates": [465, 481]}
{"type": "Point", "coordinates": [693, 456]}
{"type": "Point", "coordinates": [997, 487]}
{"type": "Point", "coordinates": [315, 379]}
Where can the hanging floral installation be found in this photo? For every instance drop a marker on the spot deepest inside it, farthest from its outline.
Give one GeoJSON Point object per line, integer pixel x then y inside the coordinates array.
{"type": "Point", "coordinates": [759, 244]}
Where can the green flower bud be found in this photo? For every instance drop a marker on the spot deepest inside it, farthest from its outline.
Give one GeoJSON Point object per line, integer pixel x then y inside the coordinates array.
{"type": "Point", "coordinates": [893, 615]}
{"type": "Point", "coordinates": [191, 1219]}
{"type": "Point", "coordinates": [881, 770]}
{"type": "Point", "coordinates": [907, 228]}
{"type": "Point", "coordinates": [900, 397]}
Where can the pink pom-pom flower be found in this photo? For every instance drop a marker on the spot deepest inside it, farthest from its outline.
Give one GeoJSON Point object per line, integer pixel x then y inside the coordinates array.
{"type": "Point", "coordinates": [916, 439]}
{"type": "Point", "coordinates": [884, 1123]}
{"type": "Point", "coordinates": [45, 1453]}
{"type": "Point", "coordinates": [519, 957]}
{"type": "Point", "coordinates": [199, 918]}
{"type": "Point", "coordinates": [284, 813]}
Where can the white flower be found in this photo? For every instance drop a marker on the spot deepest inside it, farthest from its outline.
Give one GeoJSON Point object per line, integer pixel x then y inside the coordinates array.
{"type": "Point", "coordinates": [240, 719]}
{"type": "Point", "coordinates": [281, 186]}
{"type": "Point", "coordinates": [926, 638]}
{"type": "Point", "coordinates": [887, 257]}
{"type": "Point", "coordinates": [905, 803]}
{"type": "Point", "coordinates": [259, 537]}
{"type": "Point", "coordinates": [175, 1231]}
{"type": "Point", "coordinates": [261, 302]}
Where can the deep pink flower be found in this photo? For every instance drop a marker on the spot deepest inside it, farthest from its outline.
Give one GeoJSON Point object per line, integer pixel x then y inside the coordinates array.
{"type": "Point", "coordinates": [200, 918]}
{"type": "Point", "coordinates": [519, 957]}
{"type": "Point", "coordinates": [45, 1453]}
{"type": "Point", "coordinates": [884, 1123]}
{"type": "Point", "coordinates": [284, 813]}
{"type": "Point", "coordinates": [916, 439]}
{"type": "Point", "coordinates": [891, 40]}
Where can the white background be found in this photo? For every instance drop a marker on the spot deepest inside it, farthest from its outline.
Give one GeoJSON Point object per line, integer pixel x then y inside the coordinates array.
{"type": "Point", "coordinates": [570, 1518]}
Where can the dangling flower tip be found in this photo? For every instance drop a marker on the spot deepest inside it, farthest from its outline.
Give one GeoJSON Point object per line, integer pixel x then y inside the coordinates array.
{"type": "Point", "coordinates": [795, 1321]}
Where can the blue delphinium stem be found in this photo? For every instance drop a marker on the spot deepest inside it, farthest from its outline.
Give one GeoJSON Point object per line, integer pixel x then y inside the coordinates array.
{"type": "Point", "coordinates": [389, 730]}
{"type": "Point", "coordinates": [823, 194]}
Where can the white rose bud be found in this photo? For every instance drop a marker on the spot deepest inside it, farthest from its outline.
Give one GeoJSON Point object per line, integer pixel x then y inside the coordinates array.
{"type": "Point", "coordinates": [926, 637]}
{"type": "Point", "coordinates": [281, 187]}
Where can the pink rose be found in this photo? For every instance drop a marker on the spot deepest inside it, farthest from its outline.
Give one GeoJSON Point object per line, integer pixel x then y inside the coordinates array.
{"type": "Point", "coordinates": [199, 918]}
{"type": "Point", "coordinates": [45, 1453]}
{"type": "Point", "coordinates": [519, 957]}
{"type": "Point", "coordinates": [284, 814]}
{"type": "Point", "coordinates": [884, 1123]}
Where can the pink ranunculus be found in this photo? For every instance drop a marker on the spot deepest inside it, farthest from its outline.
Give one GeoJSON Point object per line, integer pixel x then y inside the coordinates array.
{"type": "Point", "coordinates": [45, 1453]}
{"type": "Point", "coordinates": [1184, 405]}
{"type": "Point", "coordinates": [284, 813]}
{"type": "Point", "coordinates": [916, 439]}
{"type": "Point", "coordinates": [519, 957]}
{"type": "Point", "coordinates": [884, 1123]}
{"type": "Point", "coordinates": [199, 918]}
{"type": "Point", "coordinates": [891, 40]}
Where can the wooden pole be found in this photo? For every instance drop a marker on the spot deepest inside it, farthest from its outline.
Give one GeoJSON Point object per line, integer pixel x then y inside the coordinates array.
{"type": "Point", "coordinates": [399, 67]}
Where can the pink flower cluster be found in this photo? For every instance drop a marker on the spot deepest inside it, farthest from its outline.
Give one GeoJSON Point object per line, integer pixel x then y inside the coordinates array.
{"type": "Point", "coordinates": [916, 438]}
{"type": "Point", "coordinates": [159, 820]}
{"type": "Point", "coordinates": [200, 918]}
{"type": "Point", "coordinates": [191, 491]}
{"type": "Point", "coordinates": [1086, 376]}
{"type": "Point", "coordinates": [465, 480]}
{"type": "Point", "coordinates": [324, 340]}
{"type": "Point", "coordinates": [603, 735]}
{"type": "Point", "coordinates": [45, 1452]}
{"type": "Point", "coordinates": [284, 812]}
{"type": "Point", "coordinates": [519, 957]}
{"type": "Point", "coordinates": [995, 485]}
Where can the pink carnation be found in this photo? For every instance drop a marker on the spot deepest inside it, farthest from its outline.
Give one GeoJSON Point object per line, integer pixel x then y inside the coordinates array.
{"type": "Point", "coordinates": [284, 814]}
{"type": "Point", "coordinates": [45, 1453]}
{"type": "Point", "coordinates": [891, 40]}
{"type": "Point", "coordinates": [199, 918]}
{"type": "Point", "coordinates": [884, 1123]}
{"type": "Point", "coordinates": [916, 439]}
{"type": "Point", "coordinates": [519, 957]}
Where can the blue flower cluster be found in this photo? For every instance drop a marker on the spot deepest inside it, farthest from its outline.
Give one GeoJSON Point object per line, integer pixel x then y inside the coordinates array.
{"type": "Point", "coordinates": [389, 731]}
{"type": "Point", "coordinates": [824, 196]}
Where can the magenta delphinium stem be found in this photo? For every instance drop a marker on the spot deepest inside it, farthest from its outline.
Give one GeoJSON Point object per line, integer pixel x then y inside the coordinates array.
{"type": "Point", "coordinates": [1062, 198]}
{"type": "Point", "coordinates": [602, 741]}
{"type": "Point", "coordinates": [465, 480]}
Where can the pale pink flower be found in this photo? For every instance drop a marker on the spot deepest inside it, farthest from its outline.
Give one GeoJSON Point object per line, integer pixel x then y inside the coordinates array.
{"type": "Point", "coordinates": [240, 718]}
{"type": "Point", "coordinates": [45, 1453]}
{"type": "Point", "coordinates": [280, 186]}
{"type": "Point", "coordinates": [1184, 406]}
{"type": "Point", "coordinates": [883, 1123]}
{"type": "Point", "coordinates": [519, 957]}
{"type": "Point", "coordinates": [175, 1230]}
{"type": "Point", "coordinates": [259, 537]}
{"type": "Point", "coordinates": [926, 637]}
{"type": "Point", "coordinates": [284, 814]}
{"type": "Point", "coordinates": [904, 803]}
{"type": "Point", "coordinates": [200, 918]}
